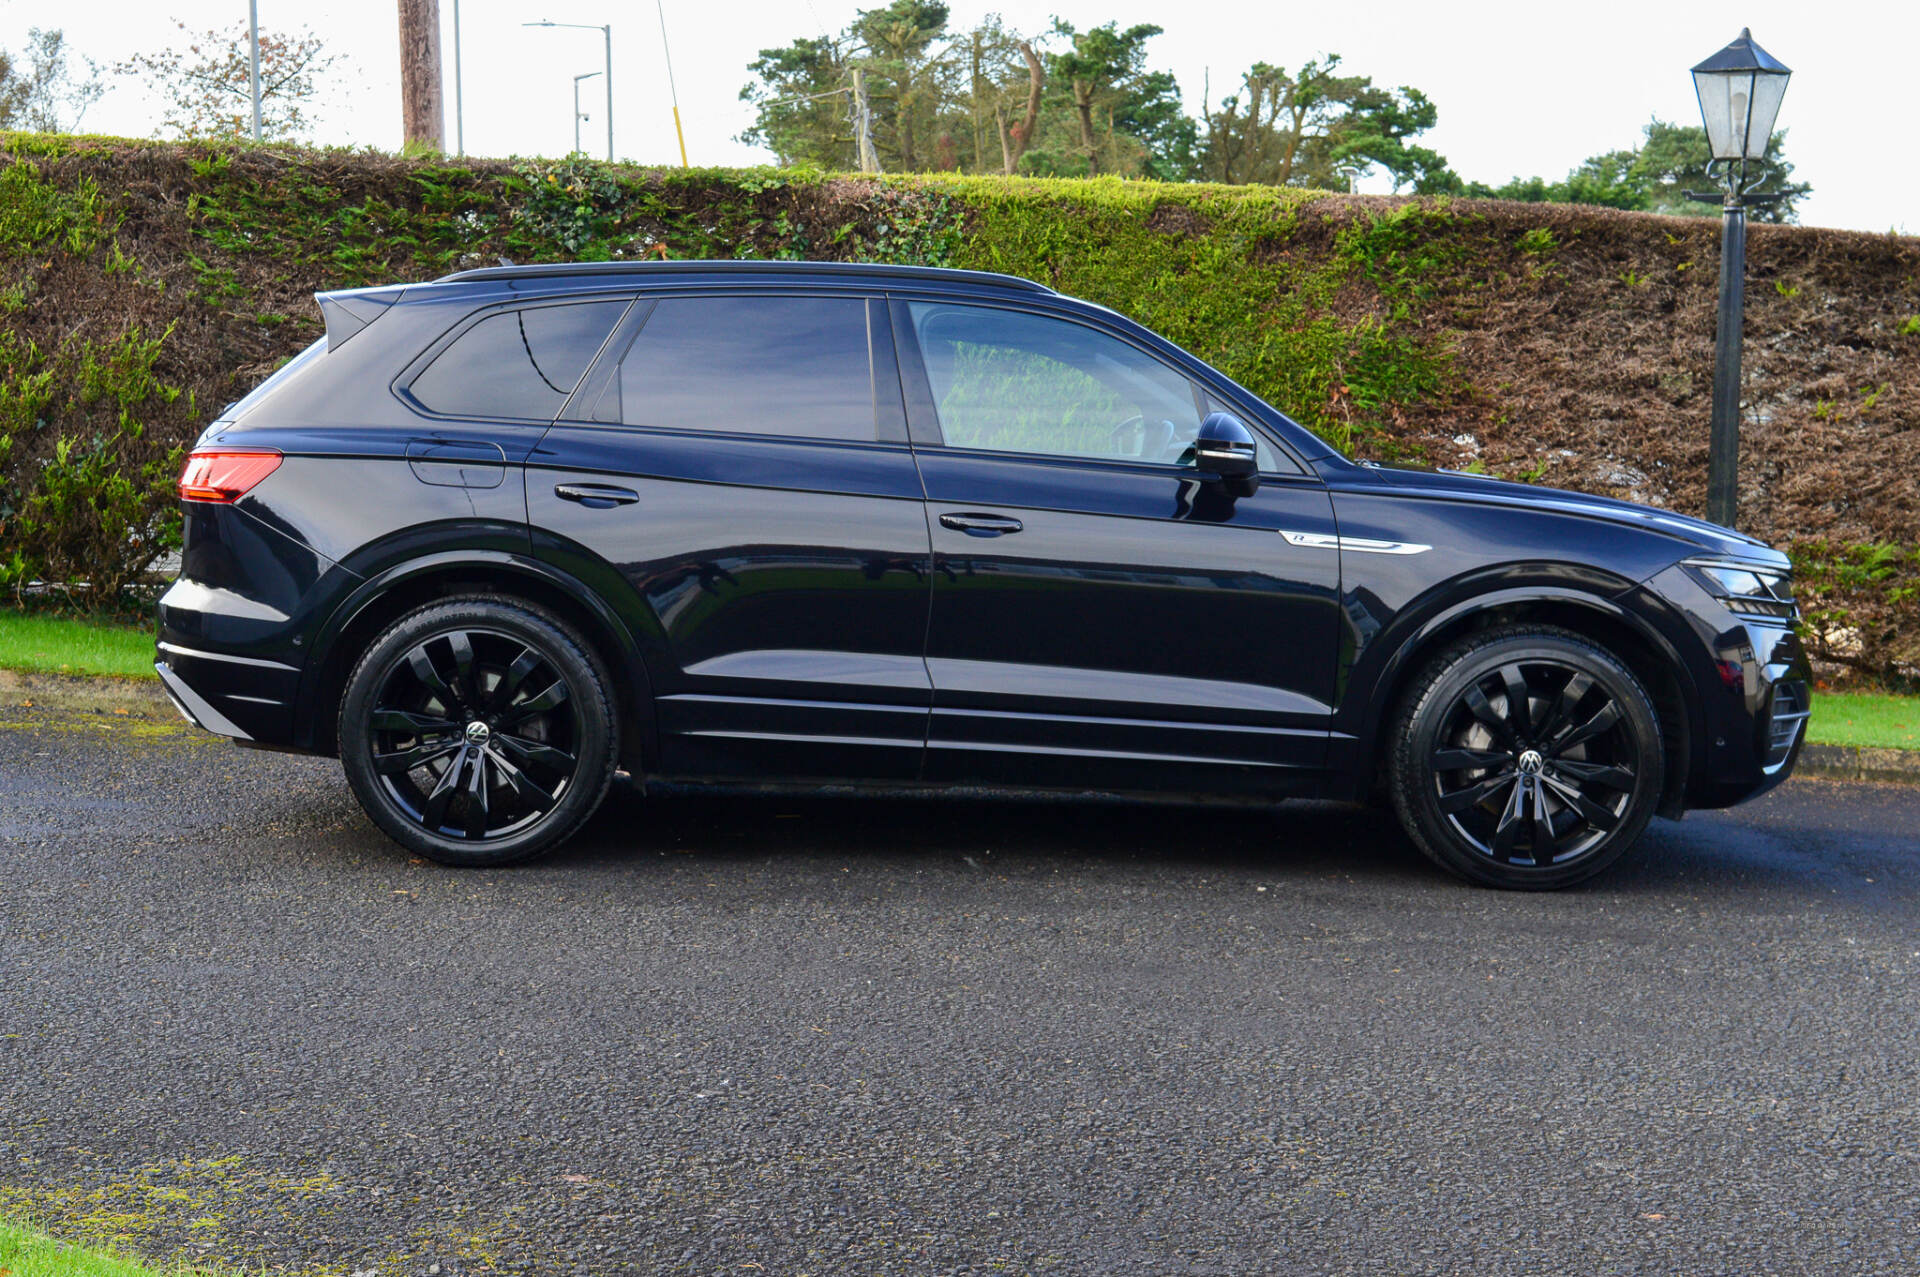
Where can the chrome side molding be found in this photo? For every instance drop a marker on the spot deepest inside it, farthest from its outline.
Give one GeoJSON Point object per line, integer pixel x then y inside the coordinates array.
{"type": "Point", "coordinates": [1356, 545]}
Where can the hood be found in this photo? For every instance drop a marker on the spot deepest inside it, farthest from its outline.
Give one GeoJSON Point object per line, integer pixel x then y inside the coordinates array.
{"type": "Point", "coordinates": [1460, 486]}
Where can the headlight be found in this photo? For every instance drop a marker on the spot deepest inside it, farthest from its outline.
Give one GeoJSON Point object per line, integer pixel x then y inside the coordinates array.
{"type": "Point", "coordinates": [1745, 587]}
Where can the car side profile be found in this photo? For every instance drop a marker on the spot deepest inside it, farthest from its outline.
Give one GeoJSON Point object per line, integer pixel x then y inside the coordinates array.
{"type": "Point", "coordinates": [496, 538]}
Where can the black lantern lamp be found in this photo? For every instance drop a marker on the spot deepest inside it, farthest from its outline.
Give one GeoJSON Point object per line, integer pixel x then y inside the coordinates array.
{"type": "Point", "coordinates": [1740, 89]}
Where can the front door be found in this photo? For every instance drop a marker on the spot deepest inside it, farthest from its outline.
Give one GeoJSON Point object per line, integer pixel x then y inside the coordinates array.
{"type": "Point", "coordinates": [1103, 615]}
{"type": "Point", "coordinates": [730, 459]}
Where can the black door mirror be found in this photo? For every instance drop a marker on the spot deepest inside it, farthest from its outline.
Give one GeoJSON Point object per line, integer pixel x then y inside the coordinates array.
{"type": "Point", "coordinates": [1227, 449]}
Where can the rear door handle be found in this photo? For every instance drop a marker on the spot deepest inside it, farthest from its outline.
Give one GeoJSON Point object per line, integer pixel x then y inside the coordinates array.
{"type": "Point", "coordinates": [980, 525]}
{"type": "Point", "coordinates": [595, 496]}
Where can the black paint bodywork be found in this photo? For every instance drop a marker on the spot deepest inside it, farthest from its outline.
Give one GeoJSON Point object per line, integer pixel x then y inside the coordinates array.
{"type": "Point", "coordinates": [782, 610]}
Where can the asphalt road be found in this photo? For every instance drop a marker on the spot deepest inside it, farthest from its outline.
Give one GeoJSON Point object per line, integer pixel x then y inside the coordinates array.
{"type": "Point", "coordinates": [757, 1036]}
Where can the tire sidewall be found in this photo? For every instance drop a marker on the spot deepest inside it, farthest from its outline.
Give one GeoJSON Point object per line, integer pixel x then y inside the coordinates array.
{"type": "Point", "coordinates": [1413, 779]}
{"type": "Point", "coordinates": [586, 680]}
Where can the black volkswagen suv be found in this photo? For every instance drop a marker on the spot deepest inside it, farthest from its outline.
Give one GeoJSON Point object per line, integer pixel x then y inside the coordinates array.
{"type": "Point", "coordinates": [495, 538]}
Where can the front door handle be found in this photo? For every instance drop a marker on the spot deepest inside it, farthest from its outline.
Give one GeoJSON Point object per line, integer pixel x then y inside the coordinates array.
{"type": "Point", "coordinates": [980, 525]}
{"type": "Point", "coordinates": [595, 496]}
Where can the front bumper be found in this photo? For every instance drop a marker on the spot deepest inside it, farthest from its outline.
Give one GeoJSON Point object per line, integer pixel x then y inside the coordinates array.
{"type": "Point", "coordinates": [1753, 692]}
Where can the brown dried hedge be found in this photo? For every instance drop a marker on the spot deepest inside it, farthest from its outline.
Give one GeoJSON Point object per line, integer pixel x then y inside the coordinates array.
{"type": "Point", "coordinates": [143, 285]}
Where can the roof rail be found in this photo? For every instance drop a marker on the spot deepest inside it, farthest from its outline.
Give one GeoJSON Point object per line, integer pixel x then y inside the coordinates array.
{"type": "Point", "coordinates": [734, 266]}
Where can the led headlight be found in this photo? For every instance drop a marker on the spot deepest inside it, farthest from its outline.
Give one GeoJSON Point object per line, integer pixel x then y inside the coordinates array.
{"type": "Point", "coordinates": [1746, 587]}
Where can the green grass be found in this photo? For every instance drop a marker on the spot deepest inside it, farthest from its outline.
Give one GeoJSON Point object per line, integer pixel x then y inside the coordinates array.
{"type": "Point", "coordinates": [1862, 718]}
{"type": "Point", "coordinates": [59, 645]}
{"type": "Point", "coordinates": [26, 1253]}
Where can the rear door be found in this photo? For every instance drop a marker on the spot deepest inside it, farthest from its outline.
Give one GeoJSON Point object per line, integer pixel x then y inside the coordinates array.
{"type": "Point", "coordinates": [737, 466]}
{"type": "Point", "coordinates": [1102, 613]}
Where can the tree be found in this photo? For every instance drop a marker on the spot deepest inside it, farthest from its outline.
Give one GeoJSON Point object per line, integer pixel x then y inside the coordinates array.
{"type": "Point", "coordinates": [1128, 118]}
{"type": "Point", "coordinates": [41, 93]}
{"type": "Point", "coordinates": [896, 48]}
{"type": "Point", "coordinates": [207, 85]}
{"type": "Point", "coordinates": [1654, 177]}
{"type": "Point", "coordinates": [1314, 126]}
{"type": "Point", "coordinates": [801, 96]}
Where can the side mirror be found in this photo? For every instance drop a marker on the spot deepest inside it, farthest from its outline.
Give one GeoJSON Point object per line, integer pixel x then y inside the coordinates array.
{"type": "Point", "coordinates": [1228, 450]}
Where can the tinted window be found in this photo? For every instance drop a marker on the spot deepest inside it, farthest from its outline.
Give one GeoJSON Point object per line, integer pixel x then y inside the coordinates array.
{"type": "Point", "coordinates": [1025, 383]}
{"type": "Point", "coordinates": [518, 363]}
{"type": "Point", "coordinates": [753, 365]}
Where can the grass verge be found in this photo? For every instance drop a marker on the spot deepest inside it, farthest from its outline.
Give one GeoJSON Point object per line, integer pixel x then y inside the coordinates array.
{"type": "Point", "coordinates": [25, 1252]}
{"type": "Point", "coordinates": [63, 645]}
{"type": "Point", "coordinates": [1865, 719]}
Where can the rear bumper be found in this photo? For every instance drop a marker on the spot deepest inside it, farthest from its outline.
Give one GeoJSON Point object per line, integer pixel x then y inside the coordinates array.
{"type": "Point", "coordinates": [246, 698]}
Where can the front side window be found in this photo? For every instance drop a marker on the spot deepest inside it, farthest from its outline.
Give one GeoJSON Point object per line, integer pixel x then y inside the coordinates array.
{"type": "Point", "coordinates": [1015, 382]}
{"type": "Point", "coordinates": [796, 366]}
{"type": "Point", "coordinates": [517, 363]}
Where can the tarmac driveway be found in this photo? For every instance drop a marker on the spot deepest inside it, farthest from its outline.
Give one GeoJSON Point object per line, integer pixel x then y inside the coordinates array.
{"type": "Point", "coordinates": [760, 1036]}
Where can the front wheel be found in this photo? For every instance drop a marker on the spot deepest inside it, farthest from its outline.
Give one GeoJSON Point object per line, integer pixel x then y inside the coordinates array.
{"type": "Point", "coordinates": [1526, 758]}
{"type": "Point", "coordinates": [478, 732]}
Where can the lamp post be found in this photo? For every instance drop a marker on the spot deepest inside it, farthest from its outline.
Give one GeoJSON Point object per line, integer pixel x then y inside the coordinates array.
{"type": "Point", "coordinates": [577, 117]}
{"type": "Point", "coordinates": [1740, 89]}
{"type": "Point", "coordinates": [253, 63]}
{"type": "Point", "coordinates": [606, 31]}
{"type": "Point", "coordinates": [459, 103]}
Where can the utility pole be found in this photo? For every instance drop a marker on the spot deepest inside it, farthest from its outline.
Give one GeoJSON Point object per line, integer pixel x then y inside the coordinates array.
{"type": "Point", "coordinates": [253, 62]}
{"type": "Point", "coordinates": [422, 112]}
{"type": "Point", "coordinates": [863, 125]}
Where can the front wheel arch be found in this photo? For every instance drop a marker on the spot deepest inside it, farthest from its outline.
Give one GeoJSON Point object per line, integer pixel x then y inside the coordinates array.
{"type": "Point", "coordinates": [1651, 658]}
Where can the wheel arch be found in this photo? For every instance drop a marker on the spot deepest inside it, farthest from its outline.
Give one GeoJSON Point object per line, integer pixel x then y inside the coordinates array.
{"type": "Point", "coordinates": [1622, 631]}
{"type": "Point", "coordinates": [408, 586]}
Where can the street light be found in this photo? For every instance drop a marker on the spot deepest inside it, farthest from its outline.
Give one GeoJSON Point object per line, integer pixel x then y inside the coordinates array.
{"type": "Point", "coordinates": [577, 117]}
{"type": "Point", "coordinates": [1740, 89]}
{"type": "Point", "coordinates": [606, 31]}
{"type": "Point", "coordinates": [253, 63]}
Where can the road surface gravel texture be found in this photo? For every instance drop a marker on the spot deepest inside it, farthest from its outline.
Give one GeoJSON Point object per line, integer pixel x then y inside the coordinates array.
{"type": "Point", "coordinates": [833, 1036]}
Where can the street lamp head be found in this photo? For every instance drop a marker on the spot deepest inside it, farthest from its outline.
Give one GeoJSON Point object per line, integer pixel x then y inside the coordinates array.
{"type": "Point", "coordinates": [1740, 89]}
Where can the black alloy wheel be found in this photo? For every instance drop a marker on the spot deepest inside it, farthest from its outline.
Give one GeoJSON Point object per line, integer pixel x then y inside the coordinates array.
{"type": "Point", "coordinates": [1527, 758]}
{"type": "Point", "coordinates": [478, 732]}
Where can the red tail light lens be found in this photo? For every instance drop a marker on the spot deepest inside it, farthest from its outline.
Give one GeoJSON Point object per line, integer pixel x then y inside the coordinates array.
{"type": "Point", "coordinates": [223, 475]}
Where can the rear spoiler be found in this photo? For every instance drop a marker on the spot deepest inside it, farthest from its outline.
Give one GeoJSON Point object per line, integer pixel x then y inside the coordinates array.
{"type": "Point", "coordinates": [349, 310]}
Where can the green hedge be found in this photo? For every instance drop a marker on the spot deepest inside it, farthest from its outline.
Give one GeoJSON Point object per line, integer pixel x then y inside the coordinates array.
{"type": "Point", "coordinates": [146, 284]}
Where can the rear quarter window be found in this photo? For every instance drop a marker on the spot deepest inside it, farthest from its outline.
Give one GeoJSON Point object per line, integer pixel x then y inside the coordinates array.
{"type": "Point", "coordinates": [794, 366]}
{"type": "Point", "coordinates": [519, 364]}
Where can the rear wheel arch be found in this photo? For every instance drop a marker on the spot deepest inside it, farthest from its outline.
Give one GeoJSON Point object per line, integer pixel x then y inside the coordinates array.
{"type": "Point", "coordinates": [1637, 645]}
{"type": "Point", "coordinates": [383, 599]}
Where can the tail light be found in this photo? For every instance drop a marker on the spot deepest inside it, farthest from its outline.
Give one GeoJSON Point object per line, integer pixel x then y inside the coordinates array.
{"type": "Point", "coordinates": [224, 475]}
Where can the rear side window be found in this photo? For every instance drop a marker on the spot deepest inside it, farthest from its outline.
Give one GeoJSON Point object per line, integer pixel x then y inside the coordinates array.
{"type": "Point", "coordinates": [796, 366]}
{"type": "Point", "coordinates": [517, 363]}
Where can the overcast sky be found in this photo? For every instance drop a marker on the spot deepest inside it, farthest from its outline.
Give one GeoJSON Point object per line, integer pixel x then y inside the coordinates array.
{"type": "Point", "coordinates": [1522, 88]}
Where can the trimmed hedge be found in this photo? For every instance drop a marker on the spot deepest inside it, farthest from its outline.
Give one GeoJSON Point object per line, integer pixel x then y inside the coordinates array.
{"type": "Point", "coordinates": [145, 284]}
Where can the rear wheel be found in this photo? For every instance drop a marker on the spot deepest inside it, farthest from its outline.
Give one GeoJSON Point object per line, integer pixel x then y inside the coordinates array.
{"type": "Point", "coordinates": [478, 732]}
{"type": "Point", "coordinates": [1526, 758]}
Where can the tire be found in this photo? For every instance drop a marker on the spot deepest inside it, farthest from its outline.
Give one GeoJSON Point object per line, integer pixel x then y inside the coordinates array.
{"type": "Point", "coordinates": [1471, 780]}
{"type": "Point", "coordinates": [478, 731]}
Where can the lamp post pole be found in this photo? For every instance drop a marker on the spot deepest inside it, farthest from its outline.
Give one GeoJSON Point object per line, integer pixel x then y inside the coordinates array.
{"type": "Point", "coordinates": [606, 32]}
{"type": "Point", "coordinates": [1723, 439]}
{"type": "Point", "coordinates": [459, 103]}
{"type": "Point", "coordinates": [1740, 89]}
{"type": "Point", "coordinates": [253, 62]}
{"type": "Point", "coordinates": [577, 117]}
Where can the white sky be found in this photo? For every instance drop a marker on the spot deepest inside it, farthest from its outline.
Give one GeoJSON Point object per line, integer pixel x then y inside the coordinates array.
{"type": "Point", "coordinates": [1522, 87]}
